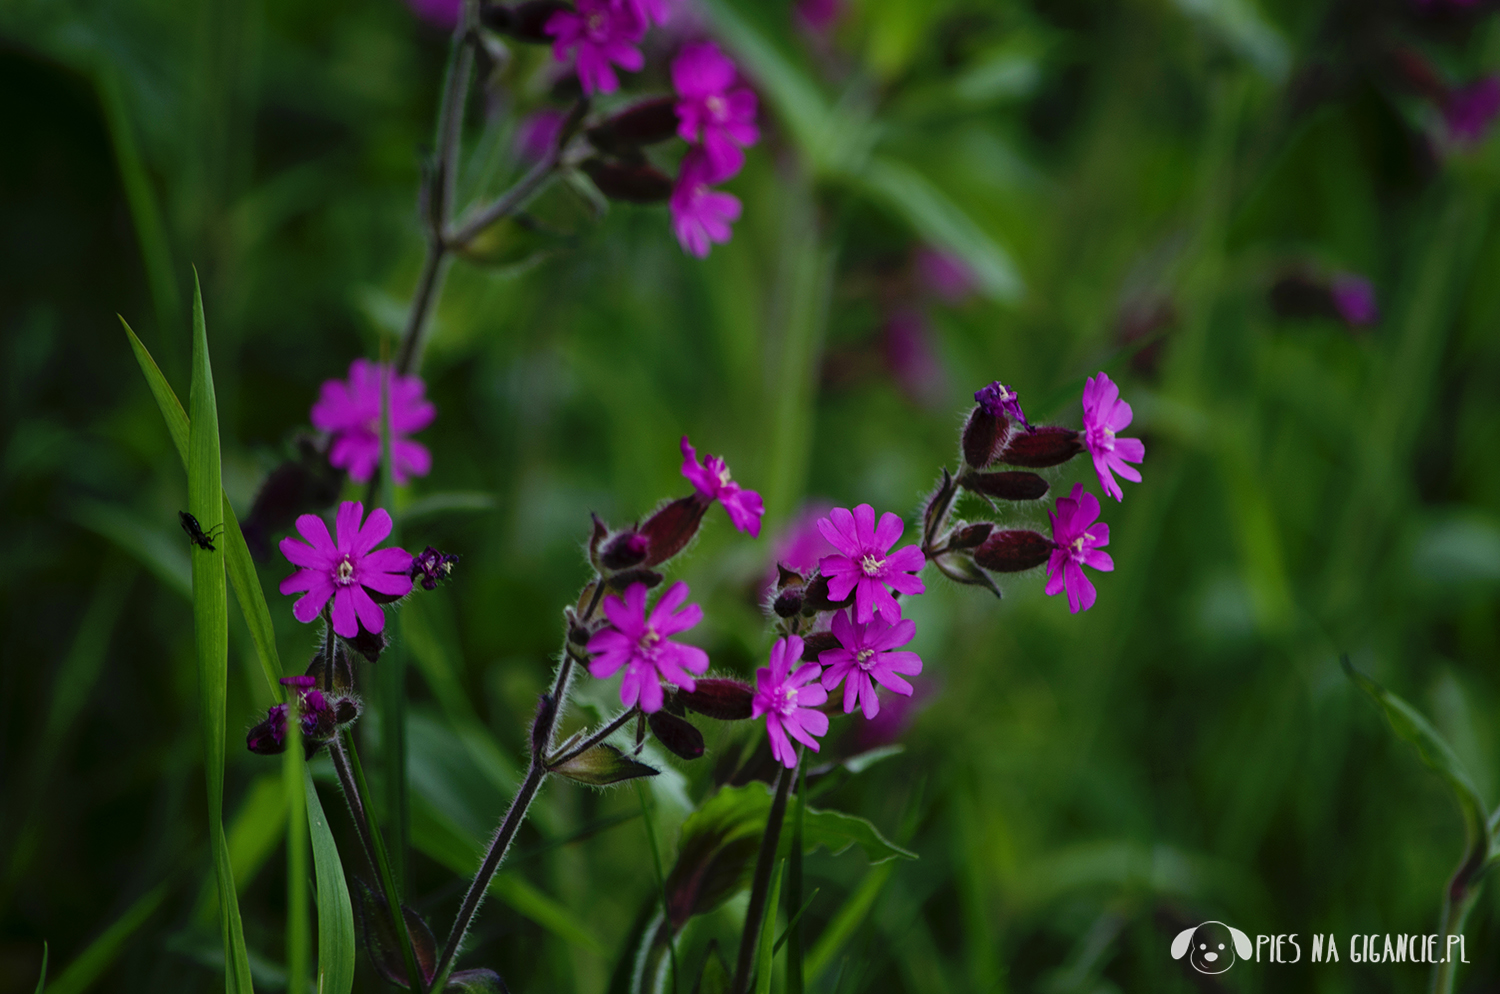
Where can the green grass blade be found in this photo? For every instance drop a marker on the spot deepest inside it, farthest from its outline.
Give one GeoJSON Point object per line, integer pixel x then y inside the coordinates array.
{"type": "Point", "coordinates": [94, 960]}
{"type": "Point", "coordinates": [846, 921]}
{"type": "Point", "coordinates": [242, 576]}
{"type": "Point", "coordinates": [794, 959]}
{"type": "Point", "coordinates": [41, 981]}
{"type": "Point", "coordinates": [765, 949]}
{"type": "Point", "coordinates": [211, 636]}
{"type": "Point", "coordinates": [298, 937]}
{"type": "Point", "coordinates": [336, 943]}
{"type": "Point", "coordinates": [254, 832]}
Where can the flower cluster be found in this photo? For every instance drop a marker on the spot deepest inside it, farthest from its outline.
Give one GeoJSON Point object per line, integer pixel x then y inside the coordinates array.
{"type": "Point", "coordinates": [320, 717]}
{"type": "Point", "coordinates": [717, 116]}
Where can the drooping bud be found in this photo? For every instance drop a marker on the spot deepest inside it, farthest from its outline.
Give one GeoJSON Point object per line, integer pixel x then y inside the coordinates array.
{"type": "Point", "coordinates": [1006, 485]}
{"type": "Point", "coordinates": [1013, 551]}
{"type": "Point", "coordinates": [679, 735]}
{"type": "Point", "coordinates": [634, 183]}
{"type": "Point", "coordinates": [1046, 446]}
{"type": "Point", "coordinates": [983, 434]}
{"type": "Point", "coordinates": [815, 597]}
{"type": "Point", "coordinates": [672, 528]}
{"type": "Point", "coordinates": [968, 536]}
{"type": "Point", "coordinates": [960, 567]}
{"type": "Point", "coordinates": [815, 643]}
{"type": "Point", "coordinates": [523, 21]}
{"type": "Point", "coordinates": [622, 581]}
{"type": "Point", "coordinates": [368, 644]}
{"type": "Point", "coordinates": [268, 738]}
{"type": "Point", "coordinates": [644, 123]}
{"type": "Point", "coordinates": [624, 550]}
{"type": "Point", "coordinates": [716, 697]}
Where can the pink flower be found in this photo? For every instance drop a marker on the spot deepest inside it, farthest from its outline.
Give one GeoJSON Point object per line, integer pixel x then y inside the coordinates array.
{"type": "Point", "coordinates": [350, 411]}
{"type": "Point", "coordinates": [865, 567]}
{"type": "Point", "coordinates": [640, 644]}
{"type": "Point", "coordinates": [660, 11]}
{"type": "Point", "coordinates": [712, 110]}
{"type": "Point", "coordinates": [711, 479]}
{"type": "Point", "coordinates": [538, 132]}
{"type": "Point", "coordinates": [945, 275]}
{"type": "Point", "coordinates": [1078, 542]}
{"type": "Point", "coordinates": [1104, 413]}
{"type": "Point", "coordinates": [868, 657]}
{"type": "Point", "coordinates": [598, 33]}
{"type": "Point", "coordinates": [913, 362]}
{"type": "Point", "coordinates": [1354, 299]}
{"type": "Point", "coordinates": [345, 570]}
{"type": "Point", "coordinates": [789, 701]}
{"type": "Point", "coordinates": [1470, 109]}
{"type": "Point", "coordinates": [1001, 401]}
{"type": "Point", "coordinates": [700, 215]}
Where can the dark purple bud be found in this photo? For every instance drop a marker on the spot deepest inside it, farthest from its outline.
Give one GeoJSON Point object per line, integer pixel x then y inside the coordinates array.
{"type": "Point", "coordinates": [815, 597]}
{"type": "Point", "coordinates": [679, 735]}
{"type": "Point", "coordinates": [523, 21]}
{"type": "Point", "coordinates": [300, 682]}
{"type": "Point", "coordinates": [1006, 486]}
{"type": "Point", "coordinates": [368, 644]}
{"type": "Point", "coordinates": [726, 700]}
{"type": "Point", "coordinates": [983, 434]}
{"type": "Point", "coordinates": [384, 942]}
{"type": "Point", "coordinates": [430, 566]}
{"type": "Point", "coordinates": [541, 725]}
{"type": "Point", "coordinates": [786, 577]}
{"type": "Point", "coordinates": [634, 183]}
{"type": "Point", "coordinates": [269, 737]}
{"type": "Point", "coordinates": [1046, 446]}
{"type": "Point", "coordinates": [625, 550]}
{"type": "Point", "coordinates": [1013, 551]}
{"type": "Point", "coordinates": [345, 710]}
{"type": "Point", "coordinates": [970, 535]}
{"type": "Point", "coordinates": [622, 581]}
{"type": "Point", "coordinates": [1298, 295]}
{"type": "Point", "coordinates": [644, 123]}
{"type": "Point", "coordinates": [815, 644]}
{"type": "Point", "coordinates": [788, 603]}
{"type": "Point", "coordinates": [672, 527]}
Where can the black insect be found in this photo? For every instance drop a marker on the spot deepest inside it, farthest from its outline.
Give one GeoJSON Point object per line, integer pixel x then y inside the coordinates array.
{"type": "Point", "coordinates": [195, 531]}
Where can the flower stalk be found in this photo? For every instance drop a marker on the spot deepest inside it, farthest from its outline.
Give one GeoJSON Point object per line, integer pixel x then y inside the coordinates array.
{"type": "Point", "coordinates": [765, 860]}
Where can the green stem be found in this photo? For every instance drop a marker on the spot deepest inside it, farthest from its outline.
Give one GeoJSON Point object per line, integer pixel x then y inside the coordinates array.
{"type": "Point", "coordinates": [298, 956]}
{"type": "Point", "coordinates": [661, 883]}
{"type": "Point", "coordinates": [592, 740]}
{"type": "Point", "coordinates": [794, 982]}
{"type": "Point", "coordinates": [765, 860]}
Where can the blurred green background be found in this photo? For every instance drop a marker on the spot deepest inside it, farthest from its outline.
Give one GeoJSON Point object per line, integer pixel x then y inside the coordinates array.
{"type": "Point", "coordinates": [1129, 179]}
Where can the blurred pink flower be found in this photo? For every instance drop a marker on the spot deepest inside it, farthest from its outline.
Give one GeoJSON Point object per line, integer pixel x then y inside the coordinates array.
{"type": "Point", "coordinates": [1078, 542]}
{"type": "Point", "coordinates": [945, 274]}
{"type": "Point", "coordinates": [350, 411]}
{"type": "Point", "coordinates": [640, 644]}
{"type": "Point", "coordinates": [819, 15]}
{"type": "Point", "coordinates": [1104, 413]}
{"type": "Point", "coordinates": [600, 32]}
{"type": "Point", "coordinates": [345, 570]}
{"type": "Point", "coordinates": [789, 701]}
{"type": "Point", "coordinates": [1354, 299]}
{"type": "Point", "coordinates": [537, 133]}
{"type": "Point", "coordinates": [866, 567]}
{"type": "Point", "coordinates": [913, 361]}
{"type": "Point", "coordinates": [868, 655]}
{"type": "Point", "coordinates": [711, 110]}
{"type": "Point", "coordinates": [712, 482]}
{"type": "Point", "coordinates": [1469, 110]}
{"type": "Point", "coordinates": [439, 13]}
{"type": "Point", "coordinates": [700, 215]}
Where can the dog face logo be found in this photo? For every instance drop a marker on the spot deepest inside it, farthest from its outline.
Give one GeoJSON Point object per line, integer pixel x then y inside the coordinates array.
{"type": "Point", "coordinates": [1211, 947]}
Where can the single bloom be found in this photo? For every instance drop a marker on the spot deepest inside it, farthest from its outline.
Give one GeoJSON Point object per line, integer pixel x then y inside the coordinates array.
{"type": "Point", "coordinates": [700, 215]}
{"type": "Point", "coordinates": [1002, 401]}
{"type": "Point", "coordinates": [711, 110]}
{"type": "Point", "coordinates": [641, 645]}
{"type": "Point", "coordinates": [1078, 539]}
{"type": "Point", "coordinates": [1104, 414]}
{"type": "Point", "coordinates": [1469, 110]}
{"type": "Point", "coordinates": [711, 479]}
{"type": "Point", "coordinates": [598, 33]}
{"type": "Point", "coordinates": [866, 566]}
{"type": "Point", "coordinates": [789, 701]}
{"type": "Point", "coordinates": [1354, 299]}
{"type": "Point", "coordinates": [346, 570]}
{"type": "Point", "coordinates": [868, 655]}
{"type": "Point", "coordinates": [349, 410]}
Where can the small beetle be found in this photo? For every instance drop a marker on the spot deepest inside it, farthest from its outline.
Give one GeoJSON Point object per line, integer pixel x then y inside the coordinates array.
{"type": "Point", "coordinates": [195, 531]}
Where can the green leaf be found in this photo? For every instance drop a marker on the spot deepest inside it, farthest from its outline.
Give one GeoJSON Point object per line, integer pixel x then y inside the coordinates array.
{"type": "Point", "coordinates": [254, 832]}
{"type": "Point", "coordinates": [211, 636]}
{"type": "Point", "coordinates": [41, 981]}
{"type": "Point", "coordinates": [602, 765]}
{"type": "Point", "coordinates": [298, 928]}
{"type": "Point", "coordinates": [846, 921]}
{"type": "Point", "coordinates": [1409, 724]}
{"type": "Point", "coordinates": [715, 978]}
{"type": "Point", "coordinates": [452, 502]}
{"type": "Point", "coordinates": [96, 958]}
{"type": "Point", "coordinates": [765, 947]}
{"type": "Point", "coordinates": [336, 942]}
{"type": "Point", "coordinates": [242, 575]}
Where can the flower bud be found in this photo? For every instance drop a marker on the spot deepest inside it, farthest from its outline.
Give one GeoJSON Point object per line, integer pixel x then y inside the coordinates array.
{"type": "Point", "coordinates": [644, 123]}
{"type": "Point", "coordinates": [368, 644]}
{"type": "Point", "coordinates": [1046, 446]}
{"type": "Point", "coordinates": [430, 566]}
{"type": "Point", "coordinates": [960, 567]}
{"type": "Point", "coordinates": [625, 550]}
{"type": "Point", "coordinates": [983, 433]}
{"type": "Point", "coordinates": [815, 597]}
{"type": "Point", "coordinates": [622, 581]}
{"type": "Point", "coordinates": [600, 532]}
{"type": "Point", "coordinates": [633, 183]}
{"type": "Point", "coordinates": [788, 603]}
{"type": "Point", "coordinates": [679, 735]}
{"type": "Point", "coordinates": [968, 536]}
{"type": "Point", "coordinates": [1013, 551]}
{"type": "Point", "coordinates": [726, 700]}
{"type": "Point", "coordinates": [268, 738]}
{"type": "Point", "coordinates": [672, 527]}
{"type": "Point", "coordinates": [815, 643]}
{"type": "Point", "coordinates": [523, 21]}
{"type": "Point", "coordinates": [1006, 486]}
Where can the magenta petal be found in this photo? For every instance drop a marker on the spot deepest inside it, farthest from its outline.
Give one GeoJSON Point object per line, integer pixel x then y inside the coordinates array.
{"type": "Point", "coordinates": [390, 584]}
{"type": "Point", "coordinates": [346, 524]}
{"type": "Point", "coordinates": [305, 579]}
{"type": "Point", "coordinates": [345, 620]}
{"type": "Point", "coordinates": [392, 560]}
{"type": "Point", "coordinates": [301, 554]}
{"type": "Point", "coordinates": [869, 703]}
{"type": "Point", "coordinates": [651, 695]}
{"type": "Point", "coordinates": [864, 526]}
{"type": "Point", "coordinates": [310, 605]}
{"type": "Point", "coordinates": [889, 533]}
{"type": "Point", "coordinates": [370, 614]}
{"type": "Point", "coordinates": [312, 528]}
{"type": "Point", "coordinates": [372, 533]}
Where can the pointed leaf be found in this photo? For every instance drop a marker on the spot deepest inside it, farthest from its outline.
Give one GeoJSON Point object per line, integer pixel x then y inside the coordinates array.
{"type": "Point", "coordinates": [335, 912]}
{"type": "Point", "coordinates": [765, 948]}
{"type": "Point", "coordinates": [41, 981]}
{"type": "Point", "coordinates": [603, 764]}
{"type": "Point", "coordinates": [97, 957]}
{"type": "Point", "coordinates": [715, 978]}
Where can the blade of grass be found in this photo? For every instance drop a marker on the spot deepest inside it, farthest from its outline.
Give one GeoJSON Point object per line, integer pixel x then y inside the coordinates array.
{"type": "Point", "coordinates": [41, 981]}
{"type": "Point", "coordinates": [787, 932]}
{"type": "Point", "coordinates": [293, 767]}
{"type": "Point", "coordinates": [336, 941]}
{"type": "Point", "coordinates": [242, 575]}
{"type": "Point", "coordinates": [765, 949]}
{"type": "Point", "coordinates": [211, 636]}
{"type": "Point", "coordinates": [96, 958]}
{"type": "Point", "coordinates": [794, 976]}
{"type": "Point", "coordinates": [253, 833]}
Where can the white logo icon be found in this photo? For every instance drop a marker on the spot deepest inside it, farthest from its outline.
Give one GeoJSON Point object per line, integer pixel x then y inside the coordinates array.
{"type": "Point", "coordinates": [1212, 945]}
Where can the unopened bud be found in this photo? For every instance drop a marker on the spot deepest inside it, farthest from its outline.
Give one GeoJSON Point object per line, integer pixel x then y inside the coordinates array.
{"type": "Point", "coordinates": [623, 581]}
{"type": "Point", "coordinates": [644, 123]}
{"type": "Point", "coordinates": [983, 434]}
{"type": "Point", "coordinates": [268, 738]}
{"type": "Point", "coordinates": [1007, 485]}
{"type": "Point", "coordinates": [679, 735]}
{"type": "Point", "coordinates": [368, 644]}
{"type": "Point", "coordinates": [815, 597]}
{"type": "Point", "coordinates": [815, 644]}
{"type": "Point", "coordinates": [672, 527]}
{"type": "Point", "coordinates": [1046, 446]}
{"type": "Point", "coordinates": [716, 697]}
{"type": "Point", "coordinates": [633, 183]}
{"type": "Point", "coordinates": [522, 21]}
{"type": "Point", "coordinates": [788, 603]}
{"type": "Point", "coordinates": [969, 535]}
{"type": "Point", "coordinates": [345, 710]}
{"type": "Point", "coordinates": [787, 577]}
{"type": "Point", "coordinates": [625, 550]}
{"type": "Point", "coordinates": [1013, 551]}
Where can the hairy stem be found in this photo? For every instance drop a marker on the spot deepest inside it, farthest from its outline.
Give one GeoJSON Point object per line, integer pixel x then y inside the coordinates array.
{"type": "Point", "coordinates": [761, 882]}
{"type": "Point", "coordinates": [592, 740]}
{"type": "Point", "coordinates": [355, 801]}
